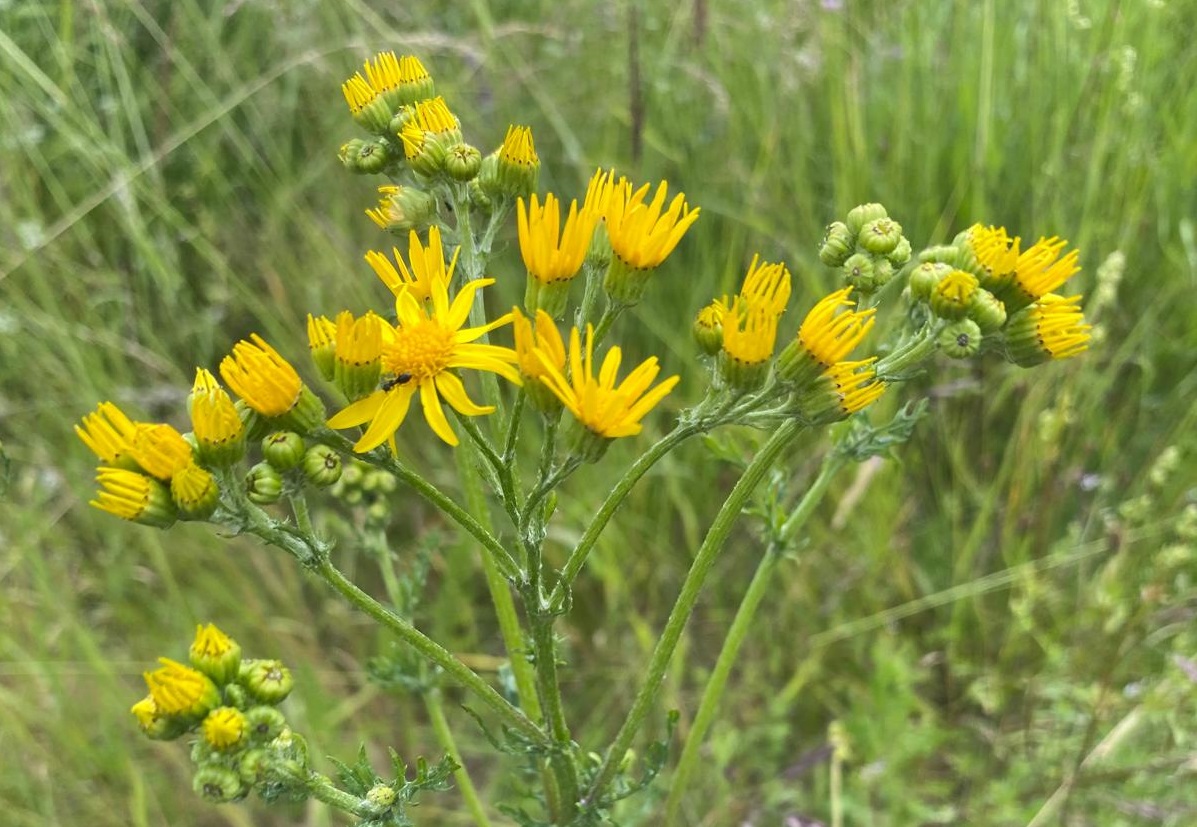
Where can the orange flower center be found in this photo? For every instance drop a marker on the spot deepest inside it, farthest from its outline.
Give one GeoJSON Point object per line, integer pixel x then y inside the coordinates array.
{"type": "Point", "coordinates": [421, 351]}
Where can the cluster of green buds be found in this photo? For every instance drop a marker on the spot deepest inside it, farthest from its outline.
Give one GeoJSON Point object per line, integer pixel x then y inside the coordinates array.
{"type": "Point", "coordinates": [365, 487]}
{"type": "Point", "coordinates": [988, 293]}
{"type": "Point", "coordinates": [231, 705]}
{"type": "Point", "coordinates": [868, 246]}
{"type": "Point", "coordinates": [150, 473]}
{"type": "Point", "coordinates": [418, 143]}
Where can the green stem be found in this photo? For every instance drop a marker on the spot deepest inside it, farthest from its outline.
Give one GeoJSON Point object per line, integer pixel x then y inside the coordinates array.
{"type": "Point", "coordinates": [432, 650]}
{"type": "Point", "coordinates": [436, 716]}
{"type": "Point", "coordinates": [577, 558]}
{"type": "Point", "coordinates": [594, 279]}
{"type": "Point", "coordinates": [716, 535]}
{"type": "Point", "coordinates": [738, 633]}
{"type": "Point", "coordinates": [321, 788]}
{"type": "Point", "coordinates": [561, 761]}
{"type": "Point", "coordinates": [610, 313]}
{"type": "Point", "coordinates": [898, 364]}
{"type": "Point", "coordinates": [502, 558]}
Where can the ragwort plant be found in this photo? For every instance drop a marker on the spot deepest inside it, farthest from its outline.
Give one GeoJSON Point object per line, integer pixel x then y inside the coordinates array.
{"type": "Point", "coordinates": [445, 202]}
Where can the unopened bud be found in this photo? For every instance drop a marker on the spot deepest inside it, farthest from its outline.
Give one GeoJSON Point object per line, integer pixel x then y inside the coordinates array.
{"type": "Point", "coordinates": [859, 272]}
{"type": "Point", "coordinates": [364, 157]}
{"type": "Point", "coordinates": [838, 244]}
{"type": "Point", "coordinates": [953, 295]}
{"type": "Point", "coordinates": [987, 311]}
{"type": "Point", "coordinates": [924, 277]}
{"type": "Point", "coordinates": [263, 484]}
{"type": "Point", "coordinates": [215, 654]}
{"type": "Point", "coordinates": [218, 784]}
{"type": "Point", "coordinates": [881, 235]}
{"type": "Point", "coordinates": [463, 162]}
{"type": "Point", "coordinates": [264, 723]}
{"type": "Point", "coordinates": [381, 797]}
{"type": "Point", "coordinates": [283, 450]}
{"type": "Point", "coordinates": [900, 254]}
{"type": "Point", "coordinates": [858, 217]}
{"type": "Point", "coordinates": [960, 339]}
{"type": "Point", "coordinates": [267, 680]}
{"type": "Point", "coordinates": [322, 466]}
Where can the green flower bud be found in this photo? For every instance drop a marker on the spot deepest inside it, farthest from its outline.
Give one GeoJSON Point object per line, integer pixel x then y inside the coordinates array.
{"type": "Point", "coordinates": [288, 752]}
{"type": "Point", "coordinates": [321, 466]}
{"type": "Point", "coordinates": [462, 162]}
{"type": "Point", "coordinates": [961, 339]}
{"type": "Point", "coordinates": [858, 272]}
{"type": "Point", "coordinates": [377, 512]}
{"type": "Point", "coordinates": [264, 723]}
{"type": "Point", "coordinates": [518, 166]}
{"type": "Point", "coordinates": [953, 295]}
{"type": "Point", "coordinates": [364, 157]}
{"type": "Point", "coordinates": [215, 654]}
{"type": "Point", "coordinates": [987, 311]}
{"type": "Point", "coordinates": [374, 116]}
{"type": "Point", "coordinates": [283, 450]}
{"type": "Point", "coordinates": [220, 785]}
{"type": "Point", "coordinates": [708, 328]}
{"type": "Point", "coordinates": [858, 217]}
{"type": "Point", "coordinates": [900, 254]}
{"type": "Point", "coordinates": [924, 277]}
{"type": "Point", "coordinates": [488, 176]}
{"type": "Point", "coordinates": [883, 271]}
{"type": "Point", "coordinates": [263, 484]}
{"type": "Point", "coordinates": [381, 797]}
{"type": "Point", "coordinates": [881, 235]}
{"type": "Point", "coordinates": [598, 254]}
{"type": "Point", "coordinates": [401, 119]}
{"type": "Point", "coordinates": [401, 210]}
{"type": "Point", "coordinates": [838, 244]}
{"type": "Point", "coordinates": [943, 253]}
{"type": "Point", "coordinates": [266, 680]}
{"type": "Point", "coordinates": [234, 695]}
{"type": "Point", "coordinates": [478, 196]}
{"type": "Point", "coordinates": [252, 766]}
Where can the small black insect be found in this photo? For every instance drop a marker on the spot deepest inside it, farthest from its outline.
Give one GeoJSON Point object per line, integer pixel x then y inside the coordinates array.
{"type": "Point", "coordinates": [399, 379]}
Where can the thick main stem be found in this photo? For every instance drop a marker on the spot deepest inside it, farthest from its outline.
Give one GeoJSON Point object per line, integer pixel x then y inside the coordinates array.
{"type": "Point", "coordinates": [561, 762]}
{"type": "Point", "coordinates": [433, 651]}
{"type": "Point", "coordinates": [707, 553]}
{"type": "Point", "coordinates": [738, 633]}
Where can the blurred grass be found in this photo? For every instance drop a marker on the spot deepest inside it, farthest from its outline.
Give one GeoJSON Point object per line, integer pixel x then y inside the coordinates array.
{"type": "Point", "coordinates": [170, 184]}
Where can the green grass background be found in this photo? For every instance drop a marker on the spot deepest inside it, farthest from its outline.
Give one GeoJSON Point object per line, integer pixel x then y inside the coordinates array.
{"type": "Point", "coordinates": [1002, 622]}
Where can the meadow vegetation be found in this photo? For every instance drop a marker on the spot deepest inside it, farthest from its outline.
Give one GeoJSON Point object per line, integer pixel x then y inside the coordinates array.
{"type": "Point", "coordinates": [996, 628]}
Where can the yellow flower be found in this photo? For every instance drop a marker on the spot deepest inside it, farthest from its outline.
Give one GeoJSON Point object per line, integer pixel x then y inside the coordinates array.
{"type": "Point", "coordinates": [708, 327]}
{"type": "Point", "coordinates": [427, 266]}
{"type": "Point", "coordinates": [402, 208]}
{"type": "Point", "coordinates": [399, 79]}
{"type": "Point", "coordinates": [767, 285]}
{"type": "Point", "coordinates": [551, 253]}
{"type": "Point", "coordinates": [322, 342]}
{"type": "Point", "coordinates": [598, 192]}
{"type": "Point", "coordinates": [643, 235]}
{"type": "Point", "coordinates": [146, 712]}
{"type": "Point", "coordinates": [952, 296]}
{"type": "Point", "coordinates": [214, 420]}
{"type": "Point", "coordinates": [211, 642]}
{"type": "Point", "coordinates": [749, 332]}
{"type": "Point", "coordinates": [180, 690]}
{"type": "Point", "coordinates": [195, 492]}
{"type": "Point", "coordinates": [603, 407]}
{"type": "Point", "coordinates": [261, 377]}
{"type": "Point", "coordinates": [545, 337]}
{"type": "Point", "coordinates": [107, 432]}
{"type": "Point", "coordinates": [1051, 328]}
{"type": "Point", "coordinates": [1020, 277]}
{"type": "Point", "coordinates": [358, 353]}
{"type": "Point", "coordinates": [827, 335]}
{"type": "Point", "coordinates": [420, 353]}
{"type": "Point", "coordinates": [225, 727]}
{"type": "Point", "coordinates": [133, 496]}
{"type": "Point", "coordinates": [856, 384]}
{"type": "Point", "coordinates": [518, 149]}
{"type": "Point", "coordinates": [160, 450]}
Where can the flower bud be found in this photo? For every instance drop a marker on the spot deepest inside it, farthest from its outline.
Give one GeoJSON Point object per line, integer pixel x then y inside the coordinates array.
{"type": "Point", "coordinates": [252, 766]}
{"type": "Point", "coordinates": [322, 342]}
{"type": "Point", "coordinates": [264, 723]}
{"type": "Point", "coordinates": [283, 450]}
{"type": "Point", "coordinates": [321, 466]}
{"type": "Point", "coordinates": [154, 724]}
{"type": "Point", "coordinates": [953, 294]}
{"type": "Point", "coordinates": [462, 162]}
{"type": "Point", "coordinates": [381, 797]}
{"type": "Point", "coordinates": [288, 752]}
{"type": "Point", "coordinates": [218, 784]}
{"type": "Point", "coordinates": [478, 195]}
{"type": "Point", "coordinates": [219, 432]}
{"type": "Point", "coordinates": [364, 157]}
{"type": "Point", "coordinates": [987, 311]}
{"type": "Point", "coordinates": [858, 217]}
{"type": "Point", "coordinates": [234, 695]}
{"type": "Point", "coordinates": [402, 209]}
{"type": "Point", "coordinates": [266, 680]}
{"type": "Point", "coordinates": [195, 492]}
{"type": "Point", "coordinates": [215, 654]}
{"type": "Point", "coordinates": [708, 327]}
{"type": "Point", "coordinates": [263, 484]}
{"type": "Point", "coordinates": [924, 277]}
{"type": "Point", "coordinates": [942, 254]}
{"type": "Point", "coordinates": [883, 271]}
{"type": "Point", "coordinates": [401, 118]}
{"type": "Point", "coordinates": [859, 272]}
{"type": "Point", "coordinates": [900, 254]}
{"type": "Point", "coordinates": [135, 497]}
{"type": "Point", "coordinates": [518, 165]}
{"type": "Point", "coordinates": [960, 339]}
{"type": "Point", "coordinates": [225, 728]}
{"type": "Point", "coordinates": [838, 244]}
{"type": "Point", "coordinates": [358, 364]}
{"type": "Point", "coordinates": [1053, 327]}
{"type": "Point", "coordinates": [181, 691]}
{"type": "Point", "coordinates": [424, 152]}
{"type": "Point", "coordinates": [880, 236]}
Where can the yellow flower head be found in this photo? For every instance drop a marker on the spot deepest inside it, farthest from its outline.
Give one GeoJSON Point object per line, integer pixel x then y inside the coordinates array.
{"type": "Point", "coordinates": [225, 727]}
{"type": "Point", "coordinates": [261, 377]}
{"type": "Point", "coordinates": [544, 337]}
{"type": "Point", "coordinates": [180, 690]}
{"type": "Point", "coordinates": [553, 254]}
{"type": "Point", "coordinates": [435, 117]}
{"type": "Point", "coordinates": [767, 285]}
{"type": "Point", "coordinates": [855, 383]}
{"type": "Point", "coordinates": [214, 418]}
{"type": "Point", "coordinates": [598, 192]}
{"type": "Point", "coordinates": [1020, 277]}
{"type": "Point", "coordinates": [1052, 328]}
{"type": "Point", "coordinates": [211, 642]}
{"type": "Point", "coordinates": [322, 342]}
{"type": "Point", "coordinates": [603, 407]}
{"type": "Point", "coordinates": [420, 354]}
{"type": "Point", "coordinates": [107, 432]}
{"type": "Point", "coordinates": [427, 266]}
{"type": "Point", "coordinates": [953, 295]}
{"type": "Point", "coordinates": [401, 208]}
{"type": "Point", "coordinates": [749, 332]}
{"type": "Point", "coordinates": [518, 149]}
{"type": "Point", "coordinates": [146, 712]}
{"type": "Point", "coordinates": [160, 450]}
{"type": "Point", "coordinates": [643, 235]}
{"type": "Point", "coordinates": [194, 491]}
{"type": "Point", "coordinates": [133, 496]}
{"type": "Point", "coordinates": [405, 77]}
{"type": "Point", "coordinates": [358, 353]}
{"type": "Point", "coordinates": [828, 335]}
